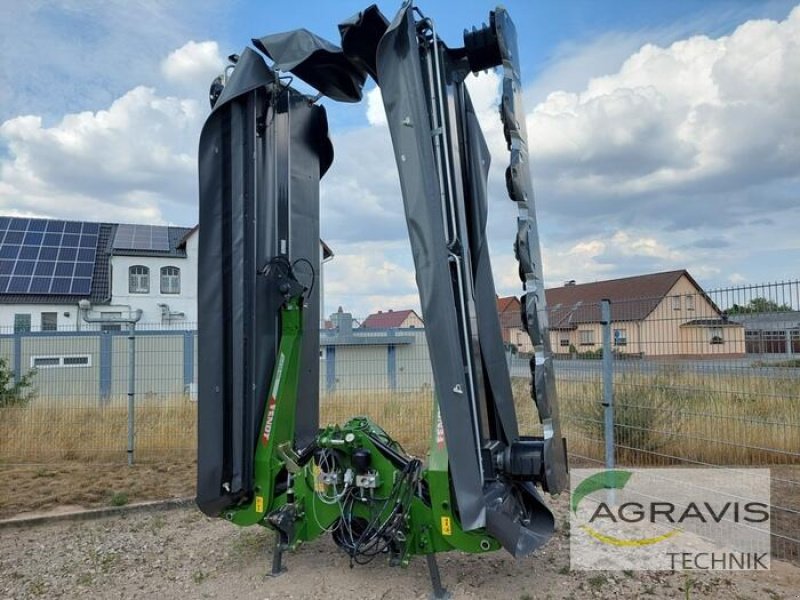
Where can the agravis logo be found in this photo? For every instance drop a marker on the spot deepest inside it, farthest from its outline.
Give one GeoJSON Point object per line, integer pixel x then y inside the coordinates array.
{"type": "Point", "coordinates": [670, 518]}
{"type": "Point", "coordinates": [609, 480]}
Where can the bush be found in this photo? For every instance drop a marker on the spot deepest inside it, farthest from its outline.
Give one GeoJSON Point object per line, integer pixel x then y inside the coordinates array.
{"type": "Point", "coordinates": [647, 416]}
{"type": "Point", "coordinates": [596, 354]}
{"type": "Point", "coordinates": [15, 392]}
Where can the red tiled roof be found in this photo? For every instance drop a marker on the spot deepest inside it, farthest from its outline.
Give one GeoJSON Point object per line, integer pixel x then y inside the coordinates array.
{"type": "Point", "coordinates": [503, 304]}
{"type": "Point", "coordinates": [387, 320]}
{"type": "Point", "coordinates": [509, 311]}
{"type": "Point", "coordinates": [632, 298]}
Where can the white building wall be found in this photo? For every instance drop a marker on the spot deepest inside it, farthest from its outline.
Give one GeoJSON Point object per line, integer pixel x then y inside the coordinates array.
{"type": "Point", "coordinates": [68, 315]}
{"type": "Point", "coordinates": [185, 302]}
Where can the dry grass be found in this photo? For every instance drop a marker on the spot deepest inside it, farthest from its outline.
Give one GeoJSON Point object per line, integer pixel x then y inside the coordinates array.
{"type": "Point", "coordinates": [664, 417]}
{"type": "Point", "coordinates": [65, 430]}
{"type": "Point", "coordinates": [688, 417]}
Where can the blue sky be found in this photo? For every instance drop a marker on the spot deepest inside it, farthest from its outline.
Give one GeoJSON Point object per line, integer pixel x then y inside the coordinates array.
{"type": "Point", "coordinates": [665, 134]}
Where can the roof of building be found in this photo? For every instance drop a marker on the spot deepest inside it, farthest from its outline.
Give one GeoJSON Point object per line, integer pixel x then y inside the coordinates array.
{"type": "Point", "coordinates": [507, 302]}
{"type": "Point", "coordinates": [73, 246]}
{"type": "Point", "coordinates": [390, 319]}
{"type": "Point", "coordinates": [508, 309]}
{"type": "Point", "coordinates": [720, 322]}
{"type": "Point", "coordinates": [632, 298]}
{"type": "Point", "coordinates": [174, 242]}
{"type": "Point", "coordinates": [782, 319]}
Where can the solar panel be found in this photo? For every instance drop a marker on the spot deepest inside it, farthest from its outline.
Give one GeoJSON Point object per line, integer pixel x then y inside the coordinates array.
{"type": "Point", "coordinates": [141, 237]}
{"type": "Point", "coordinates": [39, 256]}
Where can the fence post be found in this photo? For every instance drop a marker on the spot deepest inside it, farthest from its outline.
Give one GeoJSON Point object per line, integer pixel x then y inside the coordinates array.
{"type": "Point", "coordinates": [188, 361]}
{"type": "Point", "coordinates": [391, 365]}
{"type": "Point", "coordinates": [131, 387]}
{"type": "Point", "coordinates": [608, 382]}
{"type": "Point", "coordinates": [17, 356]}
{"type": "Point", "coordinates": [106, 365]}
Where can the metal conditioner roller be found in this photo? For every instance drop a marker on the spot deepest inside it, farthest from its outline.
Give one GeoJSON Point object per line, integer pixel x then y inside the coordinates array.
{"type": "Point", "coordinates": [262, 458]}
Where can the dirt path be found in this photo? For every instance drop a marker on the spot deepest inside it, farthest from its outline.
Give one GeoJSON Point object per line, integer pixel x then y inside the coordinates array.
{"type": "Point", "coordinates": [181, 553]}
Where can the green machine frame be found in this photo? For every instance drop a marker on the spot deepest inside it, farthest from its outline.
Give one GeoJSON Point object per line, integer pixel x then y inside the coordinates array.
{"type": "Point", "coordinates": [401, 508]}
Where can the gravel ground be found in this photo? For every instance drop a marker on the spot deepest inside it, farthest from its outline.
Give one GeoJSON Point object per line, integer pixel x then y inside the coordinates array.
{"type": "Point", "coordinates": [181, 553]}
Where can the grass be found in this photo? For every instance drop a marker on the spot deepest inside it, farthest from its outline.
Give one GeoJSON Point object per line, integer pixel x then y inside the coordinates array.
{"type": "Point", "coordinates": [119, 499]}
{"type": "Point", "coordinates": [55, 430]}
{"type": "Point", "coordinates": [793, 363]}
{"type": "Point", "coordinates": [676, 416]}
{"type": "Point", "coordinates": [661, 418]}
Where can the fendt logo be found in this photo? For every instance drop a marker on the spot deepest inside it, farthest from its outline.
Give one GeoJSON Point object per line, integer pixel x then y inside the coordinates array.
{"type": "Point", "coordinates": [655, 512]}
{"type": "Point", "coordinates": [273, 400]}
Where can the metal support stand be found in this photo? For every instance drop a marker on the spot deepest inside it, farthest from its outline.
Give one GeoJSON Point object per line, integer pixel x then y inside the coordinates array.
{"type": "Point", "coordinates": [277, 558]}
{"type": "Point", "coordinates": [439, 592]}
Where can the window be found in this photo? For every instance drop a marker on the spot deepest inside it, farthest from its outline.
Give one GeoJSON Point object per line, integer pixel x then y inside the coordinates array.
{"type": "Point", "coordinates": [139, 280]}
{"type": "Point", "coordinates": [716, 335]}
{"type": "Point", "coordinates": [170, 280]}
{"type": "Point", "coordinates": [49, 321]}
{"type": "Point", "coordinates": [22, 323]}
{"type": "Point", "coordinates": [72, 360]}
{"type": "Point", "coordinates": [620, 337]}
{"type": "Point", "coordinates": [564, 342]}
{"type": "Point", "coordinates": [587, 337]}
{"type": "Point", "coordinates": [75, 361]}
{"type": "Point", "coordinates": [46, 361]}
{"type": "Point", "coordinates": [689, 302]}
{"type": "Point", "coordinates": [676, 303]}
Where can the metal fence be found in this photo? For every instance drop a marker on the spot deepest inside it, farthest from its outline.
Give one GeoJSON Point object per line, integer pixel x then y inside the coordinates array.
{"type": "Point", "coordinates": [688, 379]}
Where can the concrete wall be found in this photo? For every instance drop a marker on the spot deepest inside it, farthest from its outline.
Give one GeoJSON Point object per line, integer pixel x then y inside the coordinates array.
{"type": "Point", "coordinates": [166, 364]}
{"type": "Point", "coordinates": [159, 365]}
{"type": "Point", "coordinates": [72, 382]}
{"type": "Point", "coordinates": [413, 364]}
{"type": "Point", "coordinates": [401, 367]}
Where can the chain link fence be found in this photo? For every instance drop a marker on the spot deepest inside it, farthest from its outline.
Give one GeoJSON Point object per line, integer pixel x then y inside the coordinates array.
{"type": "Point", "coordinates": [696, 378]}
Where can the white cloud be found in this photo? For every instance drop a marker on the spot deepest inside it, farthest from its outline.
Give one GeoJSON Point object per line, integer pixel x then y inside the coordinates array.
{"type": "Point", "coordinates": [135, 161]}
{"type": "Point", "coordinates": [194, 65]}
{"type": "Point", "coordinates": [370, 276]}
{"type": "Point", "coordinates": [719, 113]}
{"type": "Point", "coordinates": [375, 113]}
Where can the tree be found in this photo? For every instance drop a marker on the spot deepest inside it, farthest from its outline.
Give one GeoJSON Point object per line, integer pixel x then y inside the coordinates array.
{"type": "Point", "coordinates": [13, 391]}
{"type": "Point", "coordinates": [759, 305]}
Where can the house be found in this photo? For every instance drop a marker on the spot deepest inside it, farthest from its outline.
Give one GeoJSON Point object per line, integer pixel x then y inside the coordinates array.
{"type": "Point", "coordinates": [771, 332]}
{"type": "Point", "coordinates": [655, 315]}
{"type": "Point", "coordinates": [509, 311]}
{"type": "Point", "coordinates": [393, 319]}
{"type": "Point", "coordinates": [48, 266]}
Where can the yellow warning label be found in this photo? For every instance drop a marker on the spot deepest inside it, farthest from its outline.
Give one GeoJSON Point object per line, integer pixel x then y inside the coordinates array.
{"type": "Point", "coordinates": [259, 504]}
{"type": "Point", "coordinates": [447, 527]}
{"type": "Point", "coordinates": [318, 485]}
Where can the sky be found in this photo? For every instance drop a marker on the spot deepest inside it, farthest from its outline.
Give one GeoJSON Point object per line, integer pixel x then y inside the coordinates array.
{"type": "Point", "coordinates": [664, 135]}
